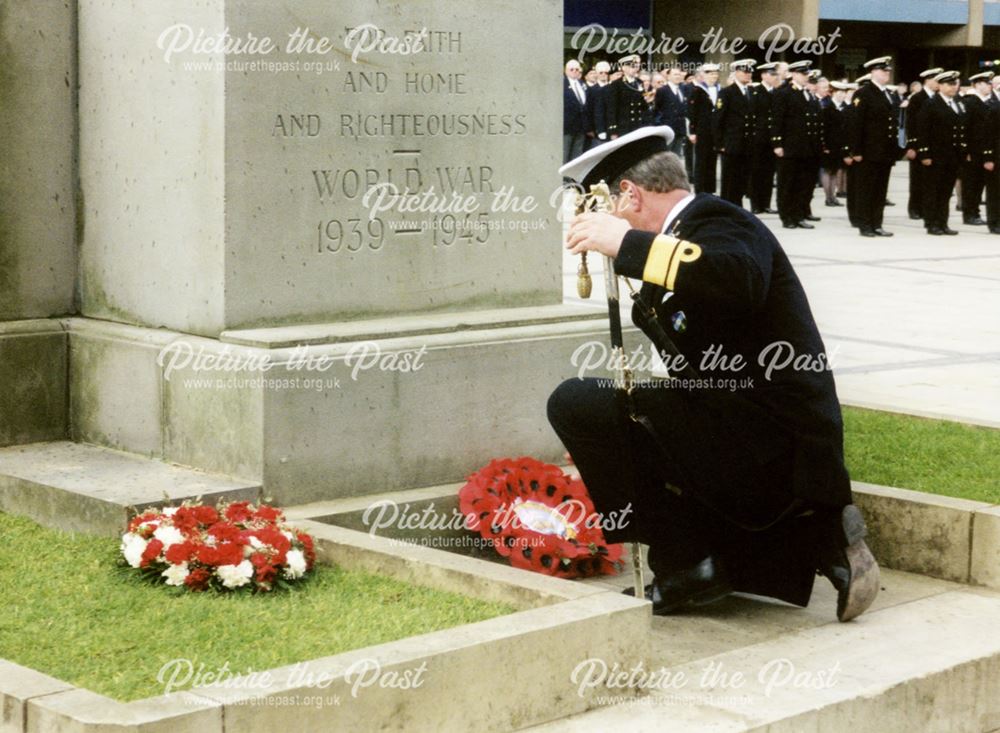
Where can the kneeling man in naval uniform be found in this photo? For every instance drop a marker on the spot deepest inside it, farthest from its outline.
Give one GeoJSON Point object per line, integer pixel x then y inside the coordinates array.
{"type": "Point", "coordinates": [734, 464]}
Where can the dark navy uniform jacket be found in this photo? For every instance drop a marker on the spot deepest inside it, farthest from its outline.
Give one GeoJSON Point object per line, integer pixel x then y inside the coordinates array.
{"type": "Point", "coordinates": [729, 284]}
{"type": "Point", "coordinates": [761, 104]}
{"type": "Point", "coordinates": [701, 113]}
{"type": "Point", "coordinates": [796, 126]}
{"type": "Point", "coordinates": [734, 120]}
{"type": "Point", "coordinates": [941, 132]}
{"type": "Point", "coordinates": [875, 132]}
{"type": "Point", "coordinates": [626, 107]}
{"type": "Point", "coordinates": [917, 100]}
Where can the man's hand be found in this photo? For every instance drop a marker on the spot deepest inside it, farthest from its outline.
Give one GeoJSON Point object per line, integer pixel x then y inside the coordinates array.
{"type": "Point", "coordinates": [857, 158]}
{"type": "Point", "coordinates": [988, 165]}
{"type": "Point", "coordinates": [911, 154]}
{"type": "Point", "coordinates": [780, 152]}
{"type": "Point", "coordinates": [926, 161]}
{"type": "Point", "coordinates": [596, 232]}
{"type": "Point", "coordinates": [693, 139]}
{"type": "Point", "coordinates": [848, 160]}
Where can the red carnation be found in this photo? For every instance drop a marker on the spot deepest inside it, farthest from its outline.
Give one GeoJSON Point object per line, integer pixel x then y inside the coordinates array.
{"type": "Point", "coordinates": [268, 513]}
{"type": "Point", "coordinates": [180, 552]}
{"type": "Point", "coordinates": [265, 574]}
{"type": "Point", "coordinates": [274, 538]}
{"type": "Point", "coordinates": [208, 555]}
{"type": "Point", "coordinates": [198, 579]}
{"type": "Point", "coordinates": [224, 532]}
{"type": "Point", "coordinates": [205, 515]}
{"type": "Point", "coordinates": [239, 511]}
{"type": "Point", "coordinates": [147, 516]}
{"type": "Point", "coordinates": [229, 553]}
{"type": "Point", "coordinates": [151, 552]}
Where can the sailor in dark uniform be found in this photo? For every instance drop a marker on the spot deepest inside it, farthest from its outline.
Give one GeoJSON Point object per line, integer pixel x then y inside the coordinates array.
{"type": "Point", "coordinates": [849, 163]}
{"type": "Point", "coordinates": [971, 172]}
{"type": "Point", "coordinates": [834, 139]}
{"type": "Point", "coordinates": [597, 105]}
{"type": "Point", "coordinates": [734, 131]}
{"type": "Point", "coordinates": [627, 108]}
{"type": "Point", "coordinates": [943, 148]}
{"type": "Point", "coordinates": [991, 159]}
{"type": "Point", "coordinates": [913, 105]}
{"type": "Point", "coordinates": [732, 487]}
{"type": "Point", "coordinates": [703, 99]}
{"type": "Point", "coordinates": [812, 85]}
{"type": "Point", "coordinates": [762, 164]}
{"type": "Point", "coordinates": [796, 137]}
{"type": "Point", "coordinates": [874, 146]}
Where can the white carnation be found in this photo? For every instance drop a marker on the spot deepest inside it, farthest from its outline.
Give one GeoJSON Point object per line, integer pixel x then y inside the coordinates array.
{"type": "Point", "coordinates": [233, 576]}
{"type": "Point", "coordinates": [132, 548]}
{"type": "Point", "coordinates": [296, 564]}
{"type": "Point", "coordinates": [168, 536]}
{"type": "Point", "coordinates": [176, 574]}
{"type": "Point", "coordinates": [255, 543]}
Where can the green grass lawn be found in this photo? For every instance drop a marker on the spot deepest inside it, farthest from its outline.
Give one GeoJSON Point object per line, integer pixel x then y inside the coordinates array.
{"type": "Point", "coordinates": [67, 611]}
{"type": "Point", "coordinates": [936, 456]}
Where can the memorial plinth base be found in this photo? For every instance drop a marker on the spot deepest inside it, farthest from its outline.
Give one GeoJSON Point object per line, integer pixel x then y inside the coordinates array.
{"type": "Point", "coordinates": [309, 412]}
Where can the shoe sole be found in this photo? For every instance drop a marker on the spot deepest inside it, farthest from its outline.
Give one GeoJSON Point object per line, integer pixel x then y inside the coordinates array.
{"type": "Point", "coordinates": [864, 585]}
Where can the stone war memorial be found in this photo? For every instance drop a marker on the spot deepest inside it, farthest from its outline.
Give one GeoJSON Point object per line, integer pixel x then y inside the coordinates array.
{"type": "Point", "coordinates": [285, 307]}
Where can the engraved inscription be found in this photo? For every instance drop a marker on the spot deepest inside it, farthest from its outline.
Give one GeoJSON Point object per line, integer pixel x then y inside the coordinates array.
{"type": "Point", "coordinates": [291, 125]}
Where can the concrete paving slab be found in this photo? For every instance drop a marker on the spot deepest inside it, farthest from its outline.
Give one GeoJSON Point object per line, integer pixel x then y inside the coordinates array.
{"type": "Point", "coordinates": [832, 676]}
{"type": "Point", "coordinates": [82, 487]}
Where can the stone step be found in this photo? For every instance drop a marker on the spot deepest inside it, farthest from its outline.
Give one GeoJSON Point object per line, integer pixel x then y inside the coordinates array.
{"type": "Point", "coordinates": [81, 487]}
{"type": "Point", "coordinates": [925, 658]}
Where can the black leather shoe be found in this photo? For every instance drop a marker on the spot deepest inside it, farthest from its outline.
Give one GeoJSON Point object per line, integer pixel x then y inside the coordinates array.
{"type": "Point", "coordinates": [882, 232]}
{"type": "Point", "coordinates": [770, 211]}
{"type": "Point", "coordinates": [704, 583]}
{"type": "Point", "coordinates": [833, 202]}
{"type": "Point", "coordinates": [974, 221]}
{"type": "Point", "coordinates": [841, 194]}
{"type": "Point", "coordinates": [803, 225]}
{"type": "Point", "coordinates": [813, 218]}
{"type": "Point", "coordinates": [994, 230]}
{"type": "Point", "coordinates": [790, 225]}
{"type": "Point", "coordinates": [889, 203]}
{"type": "Point", "coordinates": [936, 231]}
{"type": "Point", "coordinates": [848, 563]}
{"type": "Point", "coordinates": [946, 230]}
{"type": "Point", "coordinates": [868, 233]}
{"type": "Point", "coordinates": [916, 217]}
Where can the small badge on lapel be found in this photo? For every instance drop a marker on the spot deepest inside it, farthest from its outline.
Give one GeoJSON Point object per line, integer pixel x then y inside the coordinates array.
{"type": "Point", "coordinates": [679, 321]}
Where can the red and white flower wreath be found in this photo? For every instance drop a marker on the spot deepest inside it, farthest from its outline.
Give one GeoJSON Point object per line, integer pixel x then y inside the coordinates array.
{"type": "Point", "coordinates": [237, 546]}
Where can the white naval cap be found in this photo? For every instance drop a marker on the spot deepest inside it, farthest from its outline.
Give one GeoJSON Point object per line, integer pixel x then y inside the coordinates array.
{"type": "Point", "coordinates": [609, 160]}
{"type": "Point", "coordinates": [882, 62]}
{"type": "Point", "coordinates": [948, 77]}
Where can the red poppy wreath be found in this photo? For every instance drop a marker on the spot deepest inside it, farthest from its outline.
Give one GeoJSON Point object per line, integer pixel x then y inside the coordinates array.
{"type": "Point", "coordinates": [539, 518]}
